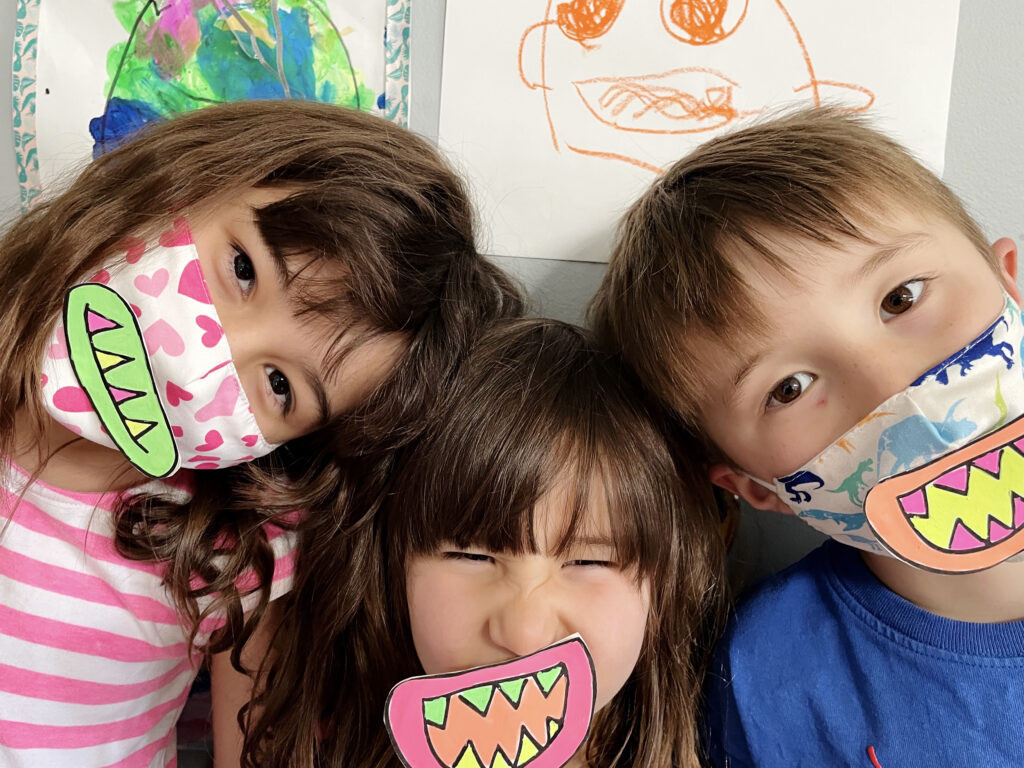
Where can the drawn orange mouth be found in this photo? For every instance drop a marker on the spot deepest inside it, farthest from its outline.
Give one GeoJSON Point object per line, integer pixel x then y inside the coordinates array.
{"type": "Point", "coordinates": [686, 100]}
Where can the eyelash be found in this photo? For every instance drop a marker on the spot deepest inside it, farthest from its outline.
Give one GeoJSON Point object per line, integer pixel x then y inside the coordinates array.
{"type": "Point", "coordinates": [237, 254]}
{"type": "Point", "coordinates": [477, 557]}
{"type": "Point", "coordinates": [242, 262]}
{"type": "Point", "coordinates": [474, 557]}
{"type": "Point", "coordinates": [923, 280]}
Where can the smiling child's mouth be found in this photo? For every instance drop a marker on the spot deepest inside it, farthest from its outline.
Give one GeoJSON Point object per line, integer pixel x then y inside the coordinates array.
{"type": "Point", "coordinates": [476, 728]}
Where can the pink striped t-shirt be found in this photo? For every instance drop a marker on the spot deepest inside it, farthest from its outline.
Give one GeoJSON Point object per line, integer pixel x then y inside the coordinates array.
{"type": "Point", "coordinates": [93, 662]}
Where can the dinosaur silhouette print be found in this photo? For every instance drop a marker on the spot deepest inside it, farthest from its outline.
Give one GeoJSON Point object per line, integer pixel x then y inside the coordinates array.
{"type": "Point", "coordinates": [853, 484]}
{"type": "Point", "coordinates": [799, 484]}
{"type": "Point", "coordinates": [915, 438]}
{"type": "Point", "coordinates": [851, 521]}
{"type": "Point", "coordinates": [985, 346]}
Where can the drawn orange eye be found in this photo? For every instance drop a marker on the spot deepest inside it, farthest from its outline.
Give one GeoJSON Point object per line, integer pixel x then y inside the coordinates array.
{"type": "Point", "coordinates": [702, 22]}
{"type": "Point", "coordinates": [582, 20]}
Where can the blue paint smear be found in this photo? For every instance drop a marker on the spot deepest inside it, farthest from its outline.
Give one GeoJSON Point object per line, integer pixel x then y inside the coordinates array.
{"type": "Point", "coordinates": [123, 119]}
{"type": "Point", "coordinates": [237, 73]}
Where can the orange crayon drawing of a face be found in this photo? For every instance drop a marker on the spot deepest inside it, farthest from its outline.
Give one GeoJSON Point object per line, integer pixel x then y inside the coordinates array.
{"type": "Point", "coordinates": [623, 80]}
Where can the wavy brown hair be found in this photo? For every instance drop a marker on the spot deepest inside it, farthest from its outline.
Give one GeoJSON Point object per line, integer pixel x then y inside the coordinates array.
{"type": "Point", "coordinates": [372, 199]}
{"type": "Point", "coordinates": [535, 403]}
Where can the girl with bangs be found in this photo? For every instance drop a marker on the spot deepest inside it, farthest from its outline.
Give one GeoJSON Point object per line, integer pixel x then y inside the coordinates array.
{"type": "Point", "coordinates": [544, 501]}
{"type": "Point", "coordinates": [267, 293]}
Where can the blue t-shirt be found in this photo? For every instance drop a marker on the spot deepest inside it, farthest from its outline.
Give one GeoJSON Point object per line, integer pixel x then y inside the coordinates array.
{"type": "Point", "coordinates": [825, 666]}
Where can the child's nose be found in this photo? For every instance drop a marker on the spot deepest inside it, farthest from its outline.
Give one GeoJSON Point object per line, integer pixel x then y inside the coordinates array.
{"type": "Point", "coordinates": [527, 621]}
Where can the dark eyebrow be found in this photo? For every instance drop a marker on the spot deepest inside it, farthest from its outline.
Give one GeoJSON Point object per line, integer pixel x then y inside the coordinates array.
{"type": "Point", "coordinates": [323, 405]}
{"type": "Point", "coordinates": [887, 253]}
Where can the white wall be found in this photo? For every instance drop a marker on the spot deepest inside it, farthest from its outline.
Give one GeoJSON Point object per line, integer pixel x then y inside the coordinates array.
{"type": "Point", "coordinates": [984, 165]}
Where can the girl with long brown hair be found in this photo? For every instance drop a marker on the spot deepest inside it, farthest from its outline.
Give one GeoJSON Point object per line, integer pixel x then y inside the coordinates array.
{"type": "Point", "coordinates": [545, 500]}
{"type": "Point", "coordinates": [269, 293]}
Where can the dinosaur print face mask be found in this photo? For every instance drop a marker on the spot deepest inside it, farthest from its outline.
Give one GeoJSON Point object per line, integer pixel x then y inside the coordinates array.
{"type": "Point", "coordinates": [935, 474]}
{"type": "Point", "coordinates": [139, 362]}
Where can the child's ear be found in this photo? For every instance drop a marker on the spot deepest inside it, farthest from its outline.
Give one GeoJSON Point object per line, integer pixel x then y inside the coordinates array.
{"type": "Point", "coordinates": [1005, 251]}
{"type": "Point", "coordinates": [739, 484]}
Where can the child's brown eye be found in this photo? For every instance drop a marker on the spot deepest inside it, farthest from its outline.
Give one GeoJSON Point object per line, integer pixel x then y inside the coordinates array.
{"type": "Point", "coordinates": [901, 298]}
{"type": "Point", "coordinates": [789, 389]}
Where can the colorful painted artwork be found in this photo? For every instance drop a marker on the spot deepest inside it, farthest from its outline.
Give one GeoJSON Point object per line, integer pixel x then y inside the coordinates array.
{"type": "Point", "coordinates": [563, 111]}
{"type": "Point", "coordinates": [138, 61]}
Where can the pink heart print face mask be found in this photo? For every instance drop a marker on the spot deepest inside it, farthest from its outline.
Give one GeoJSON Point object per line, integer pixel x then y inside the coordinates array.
{"type": "Point", "coordinates": [139, 362]}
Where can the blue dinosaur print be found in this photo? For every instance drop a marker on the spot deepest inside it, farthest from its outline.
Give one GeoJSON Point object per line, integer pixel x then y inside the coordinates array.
{"type": "Point", "coordinates": [915, 438]}
{"type": "Point", "coordinates": [984, 346]}
{"type": "Point", "coordinates": [851, 521]}
{"type": "Point", "coordinates": [869, 543]}
{"type": "Point", "coordinates": [801, 478]}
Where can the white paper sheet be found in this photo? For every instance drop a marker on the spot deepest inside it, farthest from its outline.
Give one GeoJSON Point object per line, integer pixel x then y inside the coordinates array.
{"type": "Point", "coordinates": [561, 113]}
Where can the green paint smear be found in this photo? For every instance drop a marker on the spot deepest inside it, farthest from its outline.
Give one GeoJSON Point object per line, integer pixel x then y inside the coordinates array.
{"type": "Point", "coordinates": [174, 76]}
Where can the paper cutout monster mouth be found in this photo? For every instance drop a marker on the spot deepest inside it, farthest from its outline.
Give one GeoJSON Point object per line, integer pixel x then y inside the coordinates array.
{"type": "Point", "coordinates": [687, 100]}
{"type": "Point", "coordinates": [962, 512]}
{"type": "Point", "coordinates": [521, 717]}
{"type": "Point", "coordinates": [110, 362]}
{"type": "Point", "coordinates": [532, 711]}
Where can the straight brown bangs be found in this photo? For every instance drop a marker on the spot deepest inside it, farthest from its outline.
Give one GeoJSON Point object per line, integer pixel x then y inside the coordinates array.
{"type": "Point", "coordinates": [537, 411]}
{"type": "Point", "coordinates": [677, 287]}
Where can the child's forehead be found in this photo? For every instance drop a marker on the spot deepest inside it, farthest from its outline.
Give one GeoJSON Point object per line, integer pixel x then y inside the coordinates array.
{"type": "Point", "coordinates": [573, 512]}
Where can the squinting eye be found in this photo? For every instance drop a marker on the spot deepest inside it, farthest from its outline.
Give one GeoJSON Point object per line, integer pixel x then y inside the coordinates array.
{"type": "Point", "coordinates": [245, 274]}
{"type": "Point", "coordinates": [280, 387]}
{"type": "Point", "coordinates": [474, 557]}
{"type": "Point", "coordinates": [901, 298]}
{"type": "Point", "coordinates": [591, 563]}
{"type": "Point", "coordinates": [789, 389]}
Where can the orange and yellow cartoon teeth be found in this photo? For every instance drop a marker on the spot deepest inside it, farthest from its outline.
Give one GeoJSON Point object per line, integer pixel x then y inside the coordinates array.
{"type": "Point", "coordinates": [110, 362]}
{"type": "Point", "coordinates": [962, 512]}
{"type": "Point", "coordinates": [532, 711]}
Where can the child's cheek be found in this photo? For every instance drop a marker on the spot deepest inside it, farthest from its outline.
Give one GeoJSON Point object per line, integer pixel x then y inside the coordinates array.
{"type": "Point", "coordinates": [615, 628]}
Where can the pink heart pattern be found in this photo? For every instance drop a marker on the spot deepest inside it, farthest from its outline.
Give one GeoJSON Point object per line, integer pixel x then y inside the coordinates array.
{"type": "Point", "coordinates": [133, 248]}
{"type": "Point", "coordinates": [213, 441]}
{"type": "Point", "coordinates": [72, 400]}
{"type": "Point", "coordinates": [223, 403]}
{"type": "Point", "coordinates": [178, 234]}
{"type": "Point", "coordinates": [212, 421]}
{"type": "Point", "coordinates": [159, 336]}
{"type": "Point", "coordinates": [59, 349]}
{"type": "Point", "coordinates": [176, 394]}
{"type": "Point", "coordinates": [212, 330]}
{"type": "Point", "coordinates": [192, 284]}
{"type": "Point", "coordinates": [153, 285]}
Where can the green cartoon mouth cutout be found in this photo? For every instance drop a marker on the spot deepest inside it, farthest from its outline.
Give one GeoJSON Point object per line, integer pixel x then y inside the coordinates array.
{"type": "Point", "coordinates": [110, 362]}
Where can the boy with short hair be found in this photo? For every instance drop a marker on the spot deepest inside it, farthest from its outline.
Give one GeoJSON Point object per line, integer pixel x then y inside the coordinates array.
{"type": "Point", "coordinates": [825, 311]}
